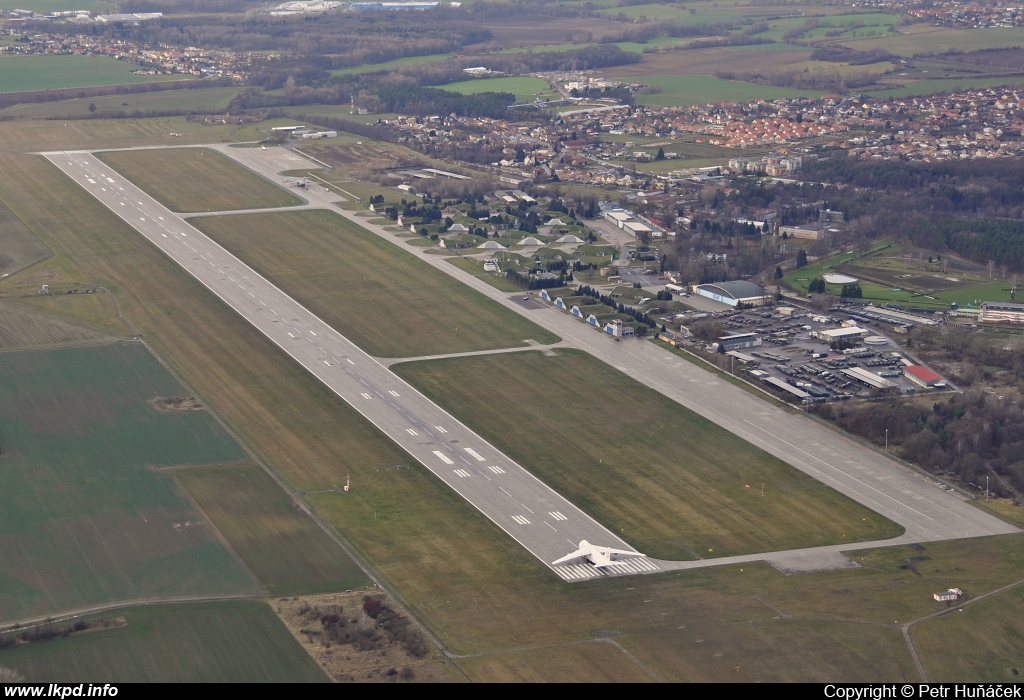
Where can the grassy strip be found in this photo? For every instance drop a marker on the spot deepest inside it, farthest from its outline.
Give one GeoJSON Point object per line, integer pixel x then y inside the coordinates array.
{"type": "Point", "coordinates": [403, 307]}
{"type": "Point", "coordinates": [281, 545]}
{"type": "Point", "coordinates": [672, 483]}
{"type": "Point", "coordinates": [197, 179]}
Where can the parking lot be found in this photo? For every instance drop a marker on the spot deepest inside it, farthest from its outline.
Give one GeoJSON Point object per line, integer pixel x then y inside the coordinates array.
{"type": "Point", "coordinates": [802, 367]}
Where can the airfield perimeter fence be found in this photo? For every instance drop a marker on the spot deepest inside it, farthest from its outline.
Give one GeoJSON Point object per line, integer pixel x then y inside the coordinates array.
{"type": "Point", "coordinates": [938, 481]}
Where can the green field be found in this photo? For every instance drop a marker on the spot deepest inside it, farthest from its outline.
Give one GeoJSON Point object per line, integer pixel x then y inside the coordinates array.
{"type": "Point", "coordinates": [208, 99]}
{"type": "Point", "coordinates": [282, 546]}
{"type": "Point", "coordinates": [673, 484]}
{"type": "Point", "coordinates": [221, 642]}
{"type": "Point", "coordinates": [19, 247]}
{"type": "Point", "coordinates": [688, 90]}
{"type": "Point", "coordinates": [380, 297]}
{"type": "Point", "coordinates": [523, 87]}
{"type": "Point", "coordinates": [89, 517]}
{"type": "Point", "coordinates": [924, 39]}
{"type": "Point", "coordinates": [43, 72]}
{"type": "Point", "coordinates": [197, 179]}
{"type": "Point", "coordinates": [886, 276]}
{"type": "Point", "coordinates": [390, 65]}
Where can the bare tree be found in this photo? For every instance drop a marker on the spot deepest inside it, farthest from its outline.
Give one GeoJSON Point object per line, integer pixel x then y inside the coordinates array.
{"type": "Point", "coordinates": [991, 265]}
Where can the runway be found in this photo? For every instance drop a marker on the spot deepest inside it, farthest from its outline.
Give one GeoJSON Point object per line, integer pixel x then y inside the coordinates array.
{"type": "Point", "coordinates": [521, 505]}
{"type": "Point", "coordinates": [529, 511]}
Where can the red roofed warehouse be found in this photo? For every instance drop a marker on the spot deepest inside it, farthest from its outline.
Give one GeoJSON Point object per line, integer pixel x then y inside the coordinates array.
{"type": "Point", "coordinates": [922, 376]}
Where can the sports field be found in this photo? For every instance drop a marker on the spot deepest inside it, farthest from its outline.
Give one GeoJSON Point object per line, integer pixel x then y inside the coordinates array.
{"type": "Point", "coordinates": [688, 90]}
{"type": "Point", "coordinates": [471, 584]}
{"type": "Point", "coordinates": [88, 516]}
{"type": "Point", "coordinates": [671, 483]}
{"type": "Point", "coordinates": [45, 72]}
{"type": "Point", "coordinates": [380, 297]}
{"type": "Point", "coordinates": [19, 247]}
{"type": "Point", "coordinates": [220, 642]}
{"type": "Point", "coordinates": [197, 179]}
{"type": "Point", "coordinates": [281, 545]}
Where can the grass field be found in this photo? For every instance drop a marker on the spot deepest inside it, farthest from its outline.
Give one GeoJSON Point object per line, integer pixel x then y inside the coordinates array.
{"type": "Point", "coordinates": [984, 643]}
{"type": "Point", "coordinates": [473, 586]}
{"type": "Point", "coordinates": [397, 63]}
{"type": "Point", "coordinates": [523, 87]}
{"type": "Point", "coordinates": [22, 328]}
{"type": "Point", "coordinates": [97, 310]}
{"type": "Point", "coordinates": [670, 482]}
{"type": "Point", "coordinates": [90, 518]}
{"type": "Point", "coordinates": [892, 275]}
{"type": "Point", "coordinates": [925, 39]}
{"type": "Point", "coordinates": [29, 136]}
{"type": "Point", "coordinates": [200, 100]}
{"type": "Point", "coordinates": [42, 72]}
{"type": "Point", "coordinates": [19, 247]}
{"type": "Point", "coordinates": [282, 546]}
{"type": "Point", "coordinates": [688, 90]}
{"type": "Point", "coordinates": [589, 662]}
{"type": "Point", "coordinates": [197, 179]}
{"type": "Point", "coordinates": [930, 87]}
{"type": "Point", "coordinates": [220, 642]}
{"type": "Point", "coordinates": [401, 307]}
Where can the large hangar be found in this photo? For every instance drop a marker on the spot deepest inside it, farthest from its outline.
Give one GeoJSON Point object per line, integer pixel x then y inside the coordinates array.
{"type": "Point", "coordinates": [733, 293]}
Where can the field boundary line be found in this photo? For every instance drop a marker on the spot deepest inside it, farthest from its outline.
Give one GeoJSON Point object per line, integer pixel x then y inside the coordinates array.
{"type": "Point", "coordinates": [9, 626]}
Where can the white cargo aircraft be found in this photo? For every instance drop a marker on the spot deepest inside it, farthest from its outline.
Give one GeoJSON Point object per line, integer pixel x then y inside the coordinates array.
{"type": "Point", "coordinates": [598, 556]}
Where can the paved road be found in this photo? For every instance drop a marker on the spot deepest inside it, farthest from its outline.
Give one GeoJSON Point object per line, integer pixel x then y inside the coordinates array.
{"type": "Point", "coordinates": [528, 510]}
{"type": "Point", "coordinates": [927, 512]}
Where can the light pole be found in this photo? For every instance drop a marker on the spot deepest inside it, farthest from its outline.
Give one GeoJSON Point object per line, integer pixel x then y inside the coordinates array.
{"type": "Point", "coordinates": [887, 440]}
{"type": "Point", "coordinates": [986, 488]}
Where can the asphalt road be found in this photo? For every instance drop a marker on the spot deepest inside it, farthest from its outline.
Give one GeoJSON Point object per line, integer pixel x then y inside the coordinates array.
{"type": "Point", "coordinates": [528, 510]}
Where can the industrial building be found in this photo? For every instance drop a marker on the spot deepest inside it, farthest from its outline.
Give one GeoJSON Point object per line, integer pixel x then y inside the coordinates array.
{"type": "Point", "coordinates": [833, 335]}
{"type": "Point", "coordinates": [733, 293]}
{"type": "Point", "coordinates": [922, 376]}
{"type": "Point", "coordinates": [1002, 312]}
{"type": "Point", "coordinates": [727, 343]}
{"type": "Point", "coordinates": [872, 380]}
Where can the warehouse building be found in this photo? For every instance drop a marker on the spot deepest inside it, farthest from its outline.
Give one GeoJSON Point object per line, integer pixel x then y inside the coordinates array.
{"type": "Point", "coordinates": [922, 376]}
{"type": "Point", "coordinates": [733, 293]}
{"type": "Point", "coordinates": [728, 343]}
{"type": "Point", "coordinates": [835, 335]}
{"type": "Point", "coordinates": [1002, 312]}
